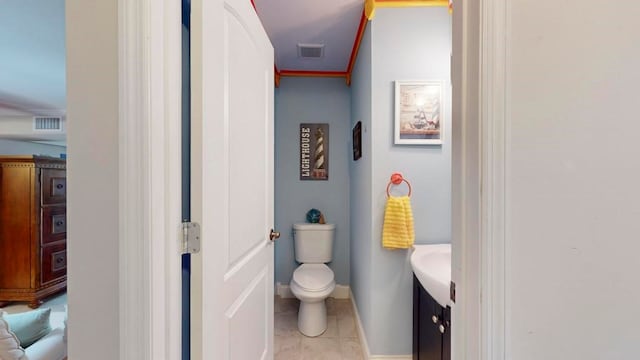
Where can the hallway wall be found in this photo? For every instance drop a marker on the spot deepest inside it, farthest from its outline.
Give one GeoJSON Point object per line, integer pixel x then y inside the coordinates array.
{"type": "Point", "coordinates": [93, 178]}
{"type": "Point", "coordinates": [311, 100]}
{"type": "Point", "coordinates": [571, 177]}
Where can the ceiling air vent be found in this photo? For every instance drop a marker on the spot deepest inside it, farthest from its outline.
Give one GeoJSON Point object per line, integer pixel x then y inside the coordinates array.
{"type": "Point", "coordinates": [313, 51]}
{"type": "Point", "coordinates": [47, 123]}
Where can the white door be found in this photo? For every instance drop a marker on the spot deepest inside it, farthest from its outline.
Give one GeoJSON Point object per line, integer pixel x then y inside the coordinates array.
{"type": "Point", "coordinates": [232, 182]}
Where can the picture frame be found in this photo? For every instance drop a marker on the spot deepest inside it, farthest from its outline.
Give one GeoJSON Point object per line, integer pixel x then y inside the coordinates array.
{"type": "Point", "coordinates": [357, 141]}
{"type": "Point", "coordinates": [419, 113]}
{"type": "Point", "coordinates": [314, 151]}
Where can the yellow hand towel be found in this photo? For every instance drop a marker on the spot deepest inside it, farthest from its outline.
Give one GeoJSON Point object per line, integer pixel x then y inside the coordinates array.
{"type": "Point", "coordinates": [397, 230]}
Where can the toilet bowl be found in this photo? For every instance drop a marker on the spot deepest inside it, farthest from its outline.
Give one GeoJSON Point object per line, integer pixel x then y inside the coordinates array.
{"type": "Point", "coordinates": [312, 284]}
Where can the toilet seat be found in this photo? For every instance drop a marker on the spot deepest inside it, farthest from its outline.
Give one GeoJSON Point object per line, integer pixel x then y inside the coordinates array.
{"type": "Point", "coordinates": [313, 277]}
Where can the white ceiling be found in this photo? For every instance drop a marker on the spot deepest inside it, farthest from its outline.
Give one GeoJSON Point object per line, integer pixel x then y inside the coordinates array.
{"type": "Point", "coordinates": [333, 23]}
{"type": "Point", "coordinates": [32, 57]}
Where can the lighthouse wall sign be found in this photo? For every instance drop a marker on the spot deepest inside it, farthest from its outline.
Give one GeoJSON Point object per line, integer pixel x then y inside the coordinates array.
{"type": "Point", "coordinates": [314, 151]}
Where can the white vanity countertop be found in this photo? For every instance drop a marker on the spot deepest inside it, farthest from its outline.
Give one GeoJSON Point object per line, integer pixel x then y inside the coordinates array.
{"type": "Point", "coordinates": [432, 266]}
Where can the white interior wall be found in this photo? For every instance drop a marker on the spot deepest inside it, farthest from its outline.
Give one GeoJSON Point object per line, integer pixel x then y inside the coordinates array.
{"type": "Point", "coordinates": [21, 128]}
{"type": "Point", "coordinates": [572, 175]}
{"type": "Point", "coordinates": [14, 125]}
{"type": "Point", "coordinates": [92, 198]}
{"type": "Point", "coordinates": [465, 181]}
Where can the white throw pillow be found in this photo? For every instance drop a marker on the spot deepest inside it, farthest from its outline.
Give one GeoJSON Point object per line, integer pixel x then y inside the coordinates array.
{"type": "Point", "coordinates": [9, 345]}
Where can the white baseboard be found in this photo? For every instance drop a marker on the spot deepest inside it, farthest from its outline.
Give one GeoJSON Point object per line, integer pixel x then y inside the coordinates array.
{"type": "Point", "coordinates": [361, 334]}
{"type": "Point", "coordinates": [283, 291]}
{"type": "Point", "coordinates": [363, 339]}
{"type": "Point", "coordinates": [340, 292]}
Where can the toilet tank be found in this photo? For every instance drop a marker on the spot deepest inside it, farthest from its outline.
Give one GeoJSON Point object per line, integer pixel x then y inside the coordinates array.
{"type": "Point", "coordinates": [313, 243]}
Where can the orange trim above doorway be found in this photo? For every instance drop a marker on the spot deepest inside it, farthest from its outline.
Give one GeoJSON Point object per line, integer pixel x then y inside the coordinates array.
{"type": "Point", "coordinates": [311, 73]}
{"type": "Point", "coordinates": [371, 5]}
{"type": "Point", "coordinates": [356, 46]}
{"type": "Point", "coordinates": [276, 75]}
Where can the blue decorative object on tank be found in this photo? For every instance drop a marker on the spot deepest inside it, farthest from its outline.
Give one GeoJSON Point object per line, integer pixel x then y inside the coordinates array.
{"type": "Point", "coordinates": [313, 216]}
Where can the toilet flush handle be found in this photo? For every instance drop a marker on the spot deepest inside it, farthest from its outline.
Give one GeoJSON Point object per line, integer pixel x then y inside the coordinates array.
{"type": "Point", "coordinates": [273, 235]}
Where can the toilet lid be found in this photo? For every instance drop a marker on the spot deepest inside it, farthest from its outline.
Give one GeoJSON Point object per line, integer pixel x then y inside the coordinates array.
{"type": "Point", "coordinates": [313, 277]}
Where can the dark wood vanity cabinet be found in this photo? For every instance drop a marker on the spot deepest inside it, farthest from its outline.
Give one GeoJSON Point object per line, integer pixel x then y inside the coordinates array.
{"type": "Point", "coordinates": [33, 228]}
{"type": "Point", "coordinates": [431, 326]}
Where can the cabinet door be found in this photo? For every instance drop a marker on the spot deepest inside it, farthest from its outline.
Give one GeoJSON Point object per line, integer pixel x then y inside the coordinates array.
{"type": "Point", "coordinates": [416, 319]}
{"type": "Point", "coordinates": [446, 337]}
{"type": "Point", "coordinates": [429, 336]}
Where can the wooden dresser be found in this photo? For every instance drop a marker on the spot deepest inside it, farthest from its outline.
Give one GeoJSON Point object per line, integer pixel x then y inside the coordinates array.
{"type": "Point", "coordinates": [33, 228]}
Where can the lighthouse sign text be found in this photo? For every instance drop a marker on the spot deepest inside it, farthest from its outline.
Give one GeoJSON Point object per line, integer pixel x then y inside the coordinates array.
{"type": "Point", "coordinates": [314, 151]}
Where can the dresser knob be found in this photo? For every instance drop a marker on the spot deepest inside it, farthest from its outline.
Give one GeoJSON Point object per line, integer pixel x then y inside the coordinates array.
{"type": "Point", "coordinates": [434, 318]}
{"type": "Point", "coordinates": [60, 223]}
{"type": "Point", "coordinates": [59, 186]}
{"type": "Point", "coordinates": [441, 328]}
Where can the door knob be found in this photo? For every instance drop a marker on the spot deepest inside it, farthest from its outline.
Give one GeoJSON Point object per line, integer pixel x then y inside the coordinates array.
{"type": "Point", "coordinates": [273, 235]}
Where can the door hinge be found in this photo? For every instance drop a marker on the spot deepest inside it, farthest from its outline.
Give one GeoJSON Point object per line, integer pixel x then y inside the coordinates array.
{"type": "Point", "coordinates": [190, 238]}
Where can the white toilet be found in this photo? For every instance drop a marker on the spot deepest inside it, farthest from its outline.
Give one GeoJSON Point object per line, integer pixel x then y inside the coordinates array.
{"type": "Point", "coordinates": [313, 281]}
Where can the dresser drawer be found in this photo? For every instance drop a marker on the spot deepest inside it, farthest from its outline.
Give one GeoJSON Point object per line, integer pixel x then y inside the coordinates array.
{"type": "Point", "coordinates": [54, 186]}
{"type": "Point", "coordinates": [54, 224]}
{"type": "Point", "coordinates": [54, 262]}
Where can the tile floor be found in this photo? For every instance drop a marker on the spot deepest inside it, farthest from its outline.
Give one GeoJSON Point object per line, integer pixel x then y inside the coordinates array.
{"type": "Point", "coordinates": [339, 342]}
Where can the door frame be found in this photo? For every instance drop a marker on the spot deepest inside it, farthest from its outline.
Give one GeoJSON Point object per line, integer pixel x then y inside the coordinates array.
{"type": "Point", "coordinates": [149, 60]}
{"type": "Point", "coordinates": [150, 181]}
{"type": "Point", "coordinates": [480, 258]}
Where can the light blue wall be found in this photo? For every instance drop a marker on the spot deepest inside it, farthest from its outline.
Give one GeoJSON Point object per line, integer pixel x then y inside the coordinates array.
{"type": "Point", "coordinates": [406, 44]}
{"type": "Point", "coordinates": [312, 100]}
{"type": "Point", "coordinates": [21, 147]}
{"type": "Point", "coordinates": [424, 53]}
{"type": "Point", "coordinates": [360, 185]}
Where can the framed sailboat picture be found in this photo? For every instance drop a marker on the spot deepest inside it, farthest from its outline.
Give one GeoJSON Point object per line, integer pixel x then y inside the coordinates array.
{"type": "Point", "coordinates": [418, 112]}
